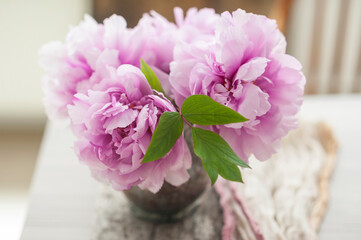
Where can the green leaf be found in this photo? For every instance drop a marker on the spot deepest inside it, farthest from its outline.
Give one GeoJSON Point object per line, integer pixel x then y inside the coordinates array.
{"type": "Point", "coordinates": [150, 76]}
{"type": "Point", "coordinates": [166, 134]}
{"type": "Point", "coordinates": [217, 156]}
{"type": "Point", "coordinates": [203, 110]}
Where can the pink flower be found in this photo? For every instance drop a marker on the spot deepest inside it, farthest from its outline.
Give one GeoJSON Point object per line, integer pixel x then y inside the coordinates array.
{"type": "Point", "coordinates": [243, 66]}
{"type": "Point", "coordinates": [197, 24]}
{"type": "Point", "coordinates": [78, 64]}
{"type": "Point", "coordinates": [162, 36]}
{"type": "Point", "coordinates": [114, 124]}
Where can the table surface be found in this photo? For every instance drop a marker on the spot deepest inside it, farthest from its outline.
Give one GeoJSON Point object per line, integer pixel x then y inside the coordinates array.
{"type": "Point", "coordinates": [63, 194]}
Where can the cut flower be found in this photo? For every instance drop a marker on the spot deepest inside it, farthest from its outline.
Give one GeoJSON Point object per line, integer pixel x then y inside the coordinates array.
{"type": "Point", "coordinates": [237, 60]}
{"type": "Point", "coordinates": [114, 126]}
{"type": "Point", "coordinates": [244, 66]}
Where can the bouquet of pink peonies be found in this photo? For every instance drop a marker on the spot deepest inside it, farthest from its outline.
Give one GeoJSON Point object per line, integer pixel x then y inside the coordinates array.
{"type": "Point", "coordinates": [128, 92]}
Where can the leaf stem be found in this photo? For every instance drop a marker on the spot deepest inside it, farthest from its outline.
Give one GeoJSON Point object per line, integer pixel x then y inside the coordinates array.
{"type": "Point", "coordinates": [185, 120]}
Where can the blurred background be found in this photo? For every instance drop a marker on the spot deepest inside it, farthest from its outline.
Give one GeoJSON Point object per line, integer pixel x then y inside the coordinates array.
{"type": "Point", "coordinates": [323, 34]}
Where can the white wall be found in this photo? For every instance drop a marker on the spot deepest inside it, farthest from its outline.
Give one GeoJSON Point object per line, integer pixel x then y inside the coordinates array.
{"type": "Point", "coordinates": [325, 36]}
{"type": "Point", "coordinates": [25, 25]}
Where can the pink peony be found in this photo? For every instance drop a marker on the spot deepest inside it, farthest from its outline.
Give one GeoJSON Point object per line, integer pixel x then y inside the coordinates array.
{"type": "Point", "coordinates": [162, 36]}
{"type": "Point", "coordinates": [196, 24]}
{"type": "Point", "coordinates": [114, 124]}
{"type": "Point", "coordinates": [78, 64]}
{"type": "Point", "coordinates": [243, 66]}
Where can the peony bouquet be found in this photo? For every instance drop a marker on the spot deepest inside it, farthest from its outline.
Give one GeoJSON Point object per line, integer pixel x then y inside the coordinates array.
{"type": "Point", "coordinates": [129, 92]}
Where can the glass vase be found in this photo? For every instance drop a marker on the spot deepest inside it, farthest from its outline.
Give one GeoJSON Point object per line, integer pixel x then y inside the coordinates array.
{"type": "Point", "coordinates": [171, 203]}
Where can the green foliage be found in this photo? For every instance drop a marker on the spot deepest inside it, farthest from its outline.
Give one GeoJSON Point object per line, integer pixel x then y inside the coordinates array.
{"type": "Point", "coordinates": [203, 110]}
{"type": "Point", "coordinates": [217, 156]}
{"type": "Point", "coordinates": [151, 77]}
{"type": "Point", "coordinates": [169, 129]}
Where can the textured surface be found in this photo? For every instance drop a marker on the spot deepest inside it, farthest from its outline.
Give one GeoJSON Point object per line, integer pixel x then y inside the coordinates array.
{"type": "Point", "coordinates": [285, 197]}
{"type": "Point", "coordinates": [116, 221]}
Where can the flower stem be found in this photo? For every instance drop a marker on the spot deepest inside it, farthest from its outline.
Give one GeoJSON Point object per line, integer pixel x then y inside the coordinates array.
{"type": "Point", "coordinates": [188, 123]}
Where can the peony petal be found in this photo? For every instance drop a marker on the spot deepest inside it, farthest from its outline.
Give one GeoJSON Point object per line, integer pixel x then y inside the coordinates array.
{"type": "Point", "coordinates": [134, 81]}
{"type": "Point", "coordinates": [251, 70]}
{"type": "Point", "coordinates": [115, 27]}
{"type": "Point", "coordinates": [122, 120]}
{"type": "Point", "coordinates": [142, 123]}
{"type": "Point", "coordinates": [254, 102]}
{"type": "Point", "coordinates": [177, 177]}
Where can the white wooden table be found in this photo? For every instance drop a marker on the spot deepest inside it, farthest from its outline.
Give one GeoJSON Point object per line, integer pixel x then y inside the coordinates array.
{"type": "Point", "coordinates": [63, 194]}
